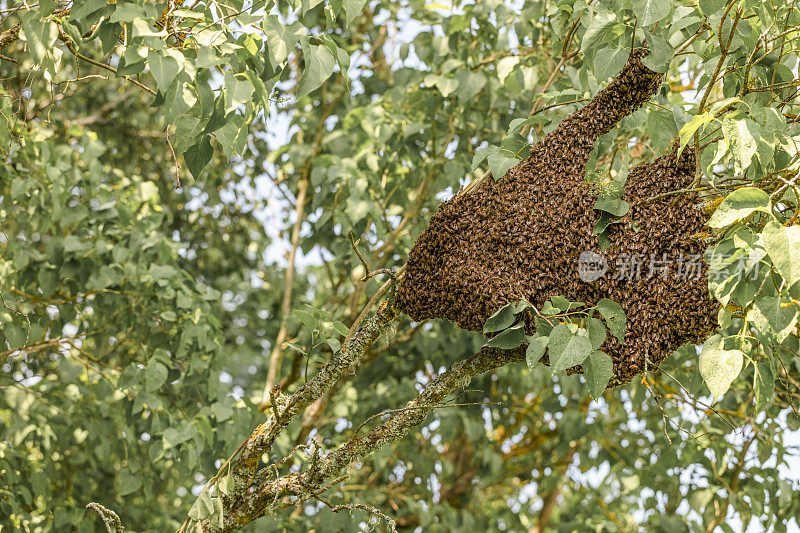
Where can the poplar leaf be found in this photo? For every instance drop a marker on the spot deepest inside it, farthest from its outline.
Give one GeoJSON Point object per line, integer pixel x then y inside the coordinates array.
{"type": "Point", "coordinates": [352, 8]}
{"type": "Point", "coordinates": [319, 67]}
{"type": "Point", "coordinates": [598, 369]}
{"type": "Point", "coordinates": [602, 23]}
{"type": "Point", "coordinates": [508, 339]}
{"type": "Point", "coordinates": [614, 315]}
{"type": "Point", "coordinates": [535, 351]}
{"type": "Point", "coordinates": [783, 246]}
{"type": "Point", "coordinates": [688, 130]}
{"type": "Point", "coordinates": [500, 320]}
{"type": "Point", "coordinates": [719, 367]}
{"type": "Point", "coordinates": [650, 11]}
{"type": "Point", "coordinates": [741, 135]}
{"type": "Point", "coordinates": [739, 204]}
{"type": "Point", "coordinates": [574, 351]}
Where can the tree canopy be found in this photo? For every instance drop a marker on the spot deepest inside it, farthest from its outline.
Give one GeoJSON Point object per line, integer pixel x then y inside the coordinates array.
{"type": "Point", "coordinates": [206, 207]}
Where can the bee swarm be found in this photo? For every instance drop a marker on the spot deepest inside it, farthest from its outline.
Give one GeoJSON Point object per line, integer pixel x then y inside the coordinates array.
{"type": "Point", "coordinates": [522, 236]}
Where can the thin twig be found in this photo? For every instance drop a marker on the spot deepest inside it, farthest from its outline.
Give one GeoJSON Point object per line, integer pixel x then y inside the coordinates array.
{"type": "Point", "coordinates": [110, 518]}
{"type": "Point", "coordinates": [370, 509]}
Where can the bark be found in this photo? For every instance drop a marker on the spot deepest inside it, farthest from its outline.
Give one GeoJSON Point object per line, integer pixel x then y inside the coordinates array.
{"type": "Point", "coordinates": [10, 35]}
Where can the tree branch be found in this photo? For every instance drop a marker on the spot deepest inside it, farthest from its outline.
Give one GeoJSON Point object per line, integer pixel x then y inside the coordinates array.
{"type": "Point", "coordinates": [238, 510]}
{"type": "Point", "coordinates": [254, 502]}
{"type": "Point", "coordinates": [721, 507]}
{"type": "Point", "coordinates": [276, 356]}
{"type": "Point", "coordinates": [10, 35]}
{"type": "Point", "coordinates": [551, 499]}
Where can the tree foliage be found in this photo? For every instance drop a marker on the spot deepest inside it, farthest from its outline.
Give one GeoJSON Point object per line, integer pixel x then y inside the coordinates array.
{"type": "Point", "coordinates": [179, 185]}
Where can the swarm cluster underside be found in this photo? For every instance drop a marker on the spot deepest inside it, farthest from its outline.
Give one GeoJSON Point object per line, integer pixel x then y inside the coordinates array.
{"type": "Point", "coordinates": [522, 236]}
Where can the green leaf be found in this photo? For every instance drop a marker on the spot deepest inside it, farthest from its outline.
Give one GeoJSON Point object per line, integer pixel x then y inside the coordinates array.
{"type": "Point", "coordinates": [218, 517]}
{"type": "Point", "coordinates": [156, 374]}
{"type": "Point", "coordinates": [510, 338]}
{"type": "Point", "coordinates": [164, 68]}
{"type": "Point", "coordinates": [262, 91]}
{"type": "Point", "coordinates": [281, 38]}
{"type": "Point", "coordinates": [444, 84]}
{"type": "Point", "coordinates": [763, 385]}
{"type": "Point", "coordinates": [207, 57]}
{"type": "Point", "coordinates": [560, 303]}
{"type": "Point", "coordinates": [334, 344]}
{"type": "Point", "coordinates": [563, 304]}
{"type": "Point", "coordinates": [174, 436]}
{"type": "Point", "coordinates": [506, 66]}
{"type": "Point", "coordinates": [39, 34]}
{"type": "Point", "coordinates": [341, 328]}
{"type": "Point", "coordinates": [719, 367]}
{"type": "Point", "coordinates": [521, 306]}
{"type": "Point", "coordinates": [481, 155]}
{"type": "Point", "coordinates": [352, 8]}
{"type": "Point", "coordinates": [132, 61]}
{"type": "Point", "coordinates": [127, 482]}
{"type": "Point", "coordinates": [295, 347]}
{"type": "Point", "coordinates": [203, 507]}
{"type": "Point", "coordinates": [499, 164]}
{"type": "Point", "coordinates": [688, 130]}
{"type": "Point", "coordinates": [722, 104]}
{"type": "Point", "coordinates": [178, 99]}
{"type": "Point", "coordinates": [535, 350]}
{"type": "Point", "coordinates": [238, 91]}
{"type": "Point", "coordinates": [772, 319]}
{"type": "Point", "coordinates": [660, 55]}
{"type": "Point", "coordinates": [142, 28]}
{"type": "Point", "coordinates": [319, 67]}
{"type": "Point", "coordinates": [614, 315]}
{"type": "Point", "coordinates": [159, 272]}
{"type": "Point", "coordinates": [597, 332]}
{"type": "Point", "coordinates": [741, 136]}
{"type": "Point", "coordinates": [610, 200]}
{"type": "Point", "coordinates": [559, 336]}
{"type": "Point", "coordinates": [501, 319]}
{"type": "Point", "coordinates": [128, 12]}
{"type": "Point", "coordinates": [548, 309]}
{"type": "Point", "coordinates": [609, 61]}
{"type": "Point", "coordinates": [307, 319]}
{"type": "Point", "coordinates": [602, 24]}
{"type": "Point", "coordinates": [709, 7]}
{"type": "Point", "coordinates": [187, 13]}
{"type": "Point", "coordinates": [518, 123]}
{"type": "Point", "coordinates": [469, 84]}
{"type": "Point", "coordinates": [650, 11]}
{"type": "Point", "coordinates": [566, 349]}
{"type": "Point", "coordinates": [199, 155]}
{"type": "Point", "coordinates": [308, 5]}
{"type": "Point", "coordinates": [222, 411]}
{"type": "Point", "coordinates": [515, 146]}
{"type": "Point", "coordinates": [783, 246]}
{"type": "Point", "coordinates": [82, 9]}
{"type": "Point", "coordinates": [598, 370]}
{"type": "Point", "coordinates": [543, 327]}
{"type": "Point", "coordinates": [739, 204]}
{"type": "Point", "coordinates": [187, 130]}
{"type": "Point", "coordinates": [232, 135]}
{"type": "Point", "coordinates": [18, 188]}
{"type": "Point", "coordinates": [225, 484]}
